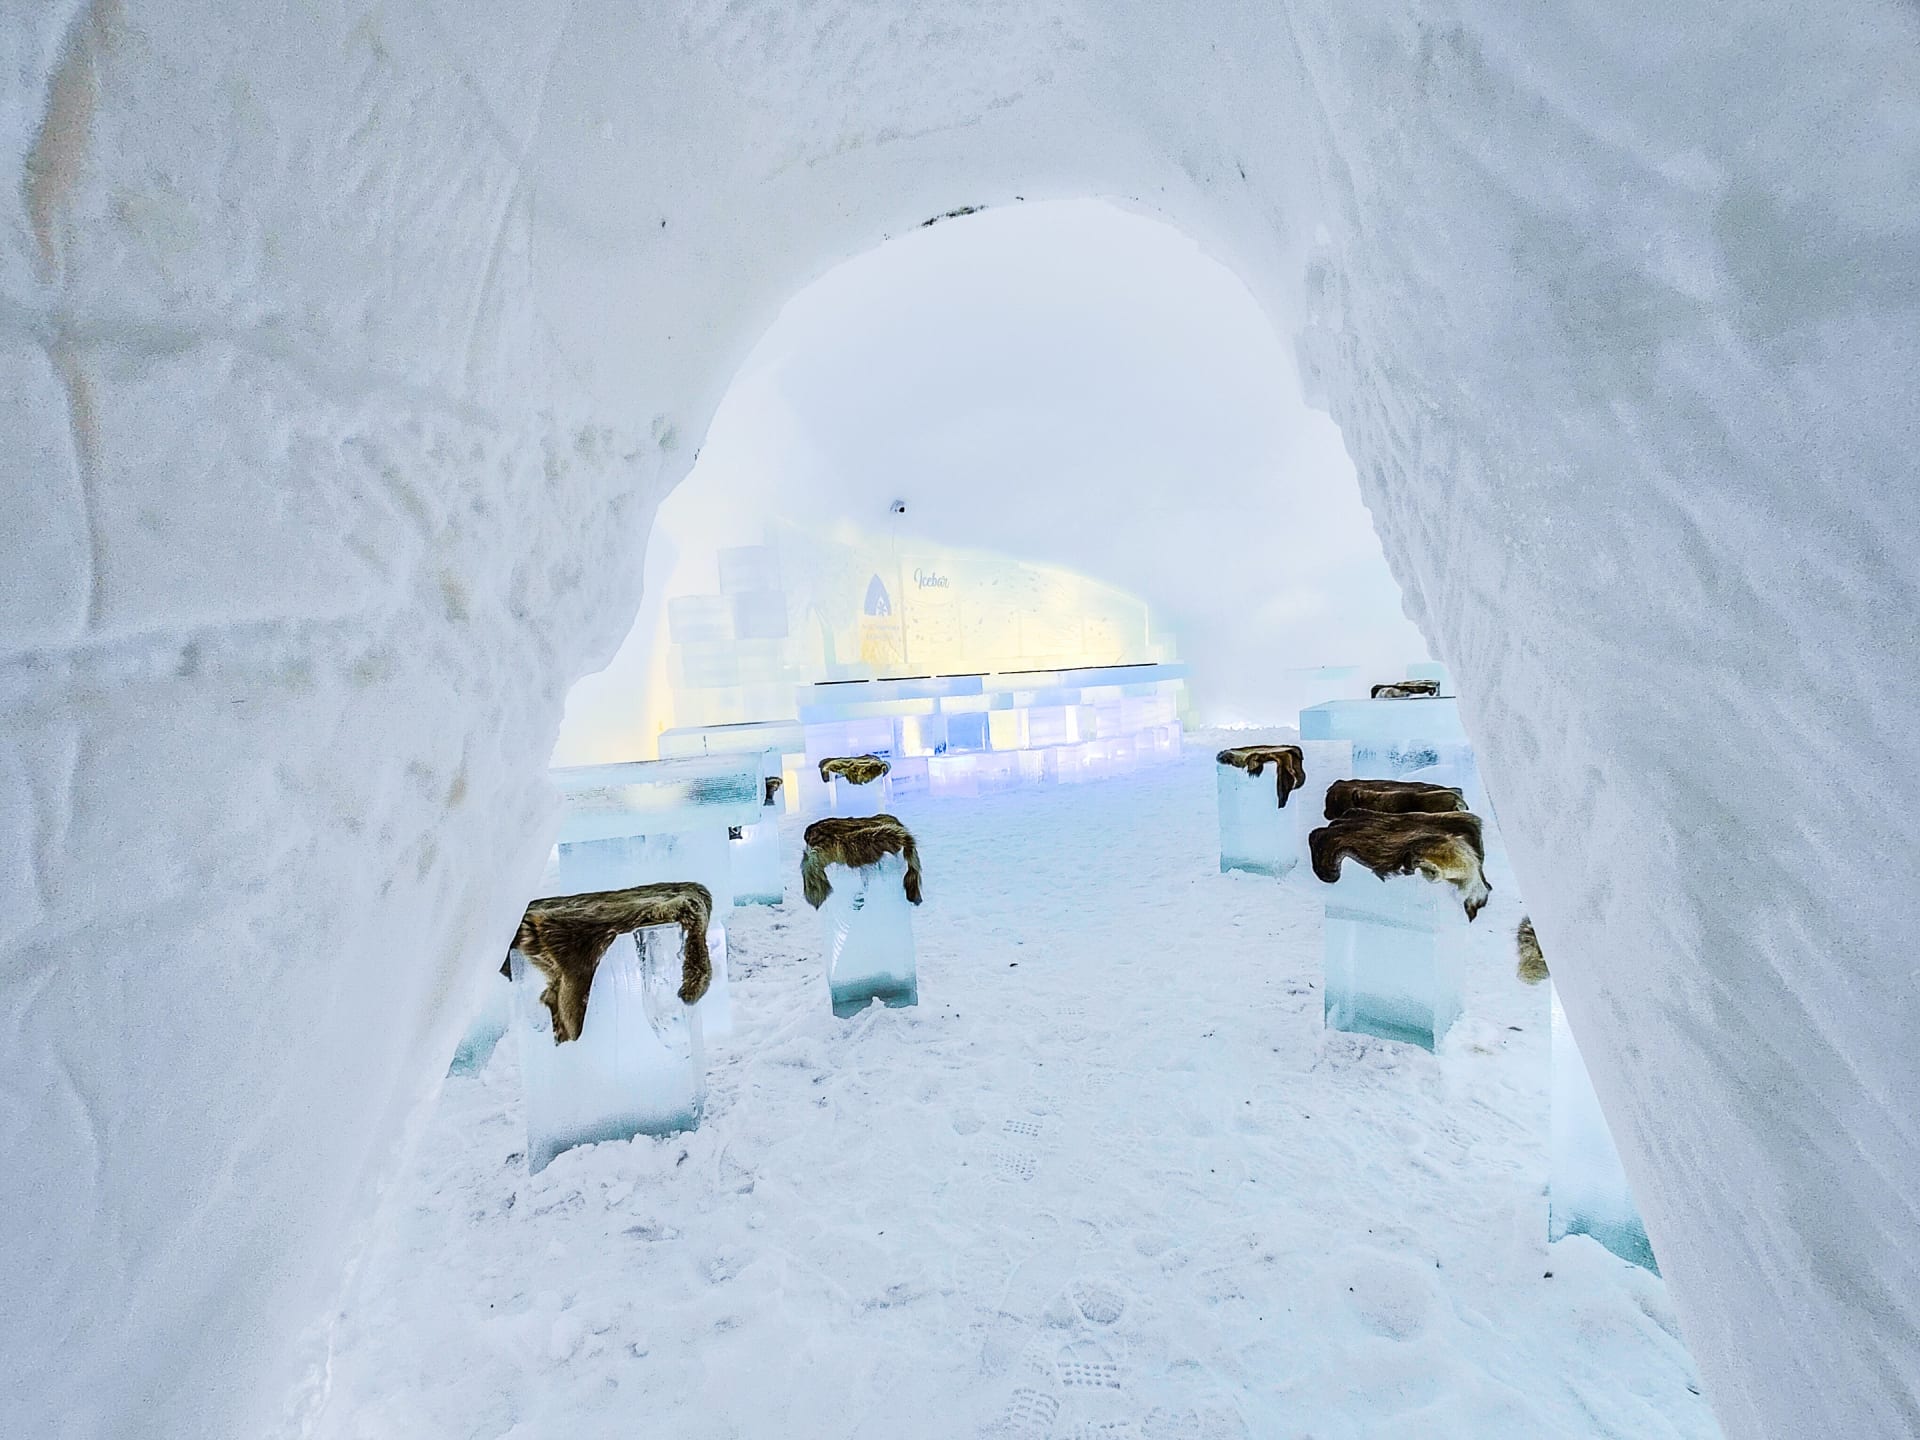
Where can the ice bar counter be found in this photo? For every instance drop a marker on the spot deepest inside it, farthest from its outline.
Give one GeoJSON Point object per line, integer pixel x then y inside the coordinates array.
{"type": "Point", "coordinates": [1587, 1192]}
{"type": "Point", "coordinates": [637, 1067]}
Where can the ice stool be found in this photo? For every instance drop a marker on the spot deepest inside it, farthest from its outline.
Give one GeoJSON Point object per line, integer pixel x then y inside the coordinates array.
{"type": "Point", "coordinates": [1396, 920]}
{"type": "Point", "coordinates": [859, 784]}
{"type": "Point", "coordinates": [862, 873]}
{"type": "Point", "coordinates": [756, 853]}
{"type": "Point", "coordinates": [1257, 832]}
{"type": "Point", "coordinates": [1587, 1190]}
{"type": "Point", "coordinates": [605, 992]}
{"type": "Point", "coordinates": [489, 1023]}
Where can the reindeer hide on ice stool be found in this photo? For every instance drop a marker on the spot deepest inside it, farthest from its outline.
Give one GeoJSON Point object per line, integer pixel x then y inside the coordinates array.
{"type": "Point", "coordinates": [1289, 768]}
{"type": "Point", "coordinates": [1435, 847]}
{"type": "Point", "coordinates": [855, 841]}
{"type": "Point", "coordinates": [564, 937]}
{"type": "Point", "coordinates": [1391, 797]}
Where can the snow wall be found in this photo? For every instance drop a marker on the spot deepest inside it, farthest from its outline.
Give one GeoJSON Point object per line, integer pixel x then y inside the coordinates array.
{"type": "Point", "coordinates": [347, 351]}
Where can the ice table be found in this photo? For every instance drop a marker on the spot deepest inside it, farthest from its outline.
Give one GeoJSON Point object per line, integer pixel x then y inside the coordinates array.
{"type": "Point", "coordinates": [1401, 739]}
{"type": "Point", "coordinates": [1587, 1192]}
{"type": "Point", "coordinates": [1395, 956]}
{"type": "Point", "coordinates": [646, 821]}
{"type": "Point", "coordinates": [1258, 830]}
{"type": "Point", "coordinates": [866, 912]}
{"type": "Point", "coordinates": [757, 877]}
{"type": "Point", "coordinates": [637, 1067]}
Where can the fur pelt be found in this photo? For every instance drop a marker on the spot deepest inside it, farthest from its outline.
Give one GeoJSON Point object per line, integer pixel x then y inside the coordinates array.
{"type": "Point", "coordinates": [1533, 962]}
{"type": "Point", "coordinates": [774, 782]}
{"type": "Point", "coordinates": [1289, 768]}
{"type": "Point", "coordinates": [853, 841]}
{"type": "Point", "coordinates": [565, 936]}
{"type": "Point", "coordinates": [1406, 690]}
{"type": "Point", "coordinates": [854, 769]}
{"type": "Point", "coordinates": [1435, 847]}
{"type": "Point", "coordinates": [1391, 797]}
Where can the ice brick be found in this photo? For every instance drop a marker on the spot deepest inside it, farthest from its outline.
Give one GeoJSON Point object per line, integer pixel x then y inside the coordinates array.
{"type": "Point", "coordinates": [699, 619]}
{"type": "Point", "coordinates": [1587, 1191]}
{"type": "Point", "coordinates": [646, 797]}
{"type": "Point", "coordinates": [953, 776]}
{"type": "Point", "coordinates": [1428, 721]}
{"type": "Point", "coordinates": [757, 876]}
{"type": "Point", "coordinates": [873, 798]}
{"type": "Point", "coordinates": [749, 570]}
{"type": "Point", "coordinates": [922, 735]}
{"type": "Point", "coordinates": [637, 1067]}
{"type": "Point", "coordinates": [1255, 833]}
{"type": "Point", "coordinates": [869, 936]}
{"type": "Point", "coordinates": [1395, 956]}
{"type": "Point", "coordinates": [967, 731]}
{"type": "Point", "coordinates": [489, 1023]}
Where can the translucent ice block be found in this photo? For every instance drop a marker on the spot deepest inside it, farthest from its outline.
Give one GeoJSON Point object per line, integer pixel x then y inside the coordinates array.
{"type": "Point", "coordinates": [1431, 721]}
{"type": "Point", "coordinates": [757, 876]}
{"type": "Point", "coordinates": [953, 776]}
{"type": "Point", "coordinates": [1050, 725]}
{"type": "Point", "coordinates": [873, 798]}
{"type": "Point", "coordinates": [749, 569]}
{"type": "Point", "coordinates": [1587, 1193]}
{"type": "Point", "coordinates": [1255, 833]}
{"type": "Point", "coordinates": [637, 1067]}
{"type": "Point", "coordinates": [702, 856]}
{"type": "Point", "coordinates": [1007, 729]}
{"type": "Point", "coordinates": [997, 771]}
{"type": "Point", "coordinates": [489, 1023]}
{"type": "Point", "coordinates": [1395, 956]}
{"type": "Point", "coordinates": [649, 797]}
{"type": "Point", "coordinates": [760, 614]}
{"type": "Point", "coordinates": [1325, 761]}
{"type": "Point", "coordinates": [699, 619]}
{"type": "Point", "coordinates": [909, 776]}
{"type": "Point", "coordinates": [922, 735]}
{"type": "Point", "coordinates": [967, 731]}
{"type": "Point", "coordinates": [850, 737]}
{"type": "Point", "coordinates": [869, 935]}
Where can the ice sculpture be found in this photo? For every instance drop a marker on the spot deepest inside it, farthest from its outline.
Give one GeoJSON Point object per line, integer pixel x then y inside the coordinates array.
{"type": "Point", "coordinates": [1587, 1192]}
{"type": "Point", "coordinates": [637, 1067]}
{"type": "Point", "coordinates": [863, 875]}
{"type": "Point", "coordinates": [1258, 829]}
{"type": "Point", "coordinates": [483, 1033]}
{"type": "Point", "coordinates": [1395, 956]}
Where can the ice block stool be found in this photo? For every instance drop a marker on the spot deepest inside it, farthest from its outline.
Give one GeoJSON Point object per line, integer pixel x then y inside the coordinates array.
{"type": "Point", "coordinates": [1396, 937]}
{"type": "Point", "coordinates": [1257, 832]}
{"type": "Point", "coordinates": [1587, 1192]}
{"type": "Point", "coordinates": [859, 784]}
{"type": "Point", "coordinates": [484, 1030]}
{"type": "Point", "coordinates": [861, 873]}
{"type": "Point", "coordinates": [605, 986]}
{"type": "Point", "coordinates": [756, 854]}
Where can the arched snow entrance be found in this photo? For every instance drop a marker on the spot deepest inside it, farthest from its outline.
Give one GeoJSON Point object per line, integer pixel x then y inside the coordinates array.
{"type": "Point", "coordinates": [345, 349]}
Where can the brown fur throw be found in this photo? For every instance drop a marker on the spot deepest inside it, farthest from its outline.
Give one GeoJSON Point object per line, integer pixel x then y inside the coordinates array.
{"type": "Point", "coordinates": [1391, 797]}
{"type": "Point", "coordinates": [1289, 769]}
{"type": "Point", "coordinates": [1533, 961]}
{"type": "Point", "coordinates": [1436, 847]}
{"type": "Point", "coordinates": [774, 783]}
{"type": "Point", "coordinates": [855, 769]}
{"type": "Point", "coordinates": [854, 841]}
{"type": "Point", "coordinates": [1406, 690]}
{"type": "Point", "coordinates": [564, 937]}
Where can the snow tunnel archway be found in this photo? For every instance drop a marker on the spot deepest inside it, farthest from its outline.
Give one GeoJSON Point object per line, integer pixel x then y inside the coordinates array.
{"type": "Point", "coordinates": [348, 351]}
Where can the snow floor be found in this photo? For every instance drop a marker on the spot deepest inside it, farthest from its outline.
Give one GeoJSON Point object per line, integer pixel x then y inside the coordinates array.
{"type": "Point", "coordinates": [1110, 1179]}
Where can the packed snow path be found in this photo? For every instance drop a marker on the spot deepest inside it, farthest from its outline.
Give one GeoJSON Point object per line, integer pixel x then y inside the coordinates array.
{"type": "Point", "coordinates": [1111, 1179]}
